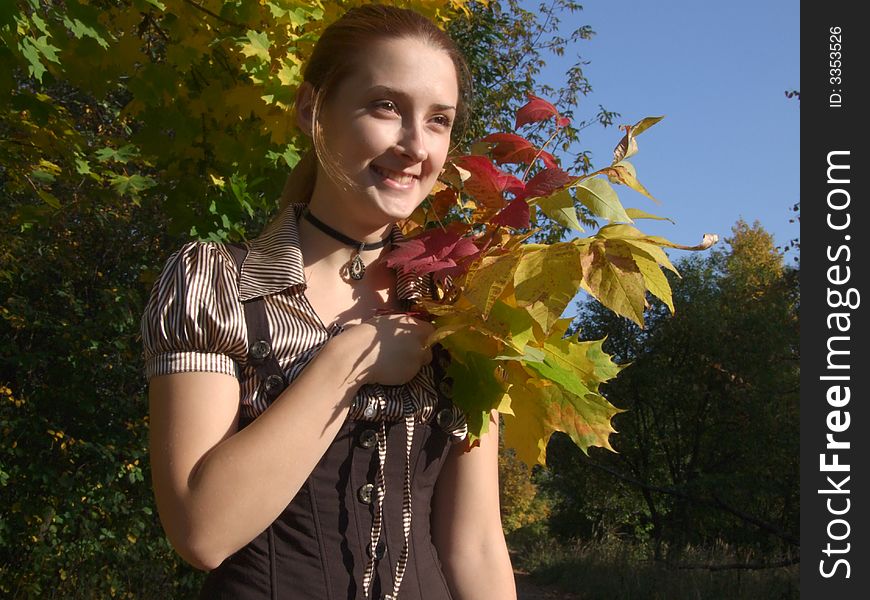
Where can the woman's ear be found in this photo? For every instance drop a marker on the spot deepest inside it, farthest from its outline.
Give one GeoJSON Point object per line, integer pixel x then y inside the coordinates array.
{"type": "Point", "coordinates": [304, 107]}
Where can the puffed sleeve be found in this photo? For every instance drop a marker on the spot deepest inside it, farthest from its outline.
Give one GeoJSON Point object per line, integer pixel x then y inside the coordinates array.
{"type": "Point", "coordinates": [193, 320]}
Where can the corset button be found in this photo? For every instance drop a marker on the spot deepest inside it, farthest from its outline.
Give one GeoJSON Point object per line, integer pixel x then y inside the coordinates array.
{"type": "Point", "coordinates": [445, 386]}
{"type": "Point", "coordinates": [444, 417]}
{"type": "Point", "coordinates": [273, 384]}
{"type": "Point", "coordinates": [380, 549]}
{"type": "Point", "coordinates": [367, 438]}
{"type": "Point", "coordinates": [365, 493]}
{"type": "Point", "coordinates": [260, 349]}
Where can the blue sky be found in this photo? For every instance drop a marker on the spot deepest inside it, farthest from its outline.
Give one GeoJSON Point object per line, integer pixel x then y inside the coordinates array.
{"type": "Point", "coordinates": [729, 144]}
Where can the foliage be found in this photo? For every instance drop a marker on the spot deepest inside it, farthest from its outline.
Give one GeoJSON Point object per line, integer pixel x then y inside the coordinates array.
{"type": "Point", "coordinates": [502, 298]}
{"type": "Point", "coordinates": [125, 126]}
{"type": "Point", "coordinates": [191, 107]}
{"type": "Point", "coordinates": [709, 441]}
{"type": "Point", "coordinates": [522, 504]}
{"type": "Point", "coordinates": [78, 511]}
{"type": "Point", "coordinates": [517, 44]}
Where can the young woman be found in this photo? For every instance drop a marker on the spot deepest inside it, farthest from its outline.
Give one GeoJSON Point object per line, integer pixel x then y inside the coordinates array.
{"type": "Point", "coordinates": [302, 446]}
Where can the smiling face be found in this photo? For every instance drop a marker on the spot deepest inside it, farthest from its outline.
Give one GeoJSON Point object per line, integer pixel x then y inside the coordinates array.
{"type": "Point", "coordinates": [388, 125]}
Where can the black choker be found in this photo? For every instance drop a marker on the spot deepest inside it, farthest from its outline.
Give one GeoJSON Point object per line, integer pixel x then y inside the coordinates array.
{"type": "Point", "coordinates": [355, 267]}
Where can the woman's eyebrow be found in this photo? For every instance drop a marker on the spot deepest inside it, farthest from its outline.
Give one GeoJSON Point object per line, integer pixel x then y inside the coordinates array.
{"type": "Point", "coordinates": [384, 89]}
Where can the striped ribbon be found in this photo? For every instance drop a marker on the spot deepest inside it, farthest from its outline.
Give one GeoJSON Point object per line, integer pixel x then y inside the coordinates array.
{"type": "Point", "coordinates": [377, 520]}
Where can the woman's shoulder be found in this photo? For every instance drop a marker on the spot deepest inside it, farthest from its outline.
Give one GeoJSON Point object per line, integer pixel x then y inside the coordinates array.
{"type": "Point", "coordinates": [203, 254]}
{"type": "Point", "coordinates": [193, 319]}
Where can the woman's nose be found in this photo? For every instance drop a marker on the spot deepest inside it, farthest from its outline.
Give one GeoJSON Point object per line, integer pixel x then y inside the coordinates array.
{"type": "Point", "coordinates": [412, 144]}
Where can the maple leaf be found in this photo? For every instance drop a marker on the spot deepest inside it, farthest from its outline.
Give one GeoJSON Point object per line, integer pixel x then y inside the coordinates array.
{"type": "Point", "coordinates": [433, 250]}
{"type": "Point", "coordinates": [538, 109]}
{"type": "Point", "coordinates": [476, 389]}
{"type": "Point", "coordinates": [488, 184]}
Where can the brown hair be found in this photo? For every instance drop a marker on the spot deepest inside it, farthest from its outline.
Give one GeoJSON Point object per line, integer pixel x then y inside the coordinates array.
{"type": "Point", "coordinates": [333, 58]}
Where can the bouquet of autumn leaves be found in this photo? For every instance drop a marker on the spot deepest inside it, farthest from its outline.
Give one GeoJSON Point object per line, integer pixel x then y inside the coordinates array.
{"type": "Point", "coordinates": [500, 299]}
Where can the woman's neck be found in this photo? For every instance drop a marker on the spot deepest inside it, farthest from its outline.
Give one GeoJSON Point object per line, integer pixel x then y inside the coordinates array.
{"type": "Point", "coordinates": [327, 252]}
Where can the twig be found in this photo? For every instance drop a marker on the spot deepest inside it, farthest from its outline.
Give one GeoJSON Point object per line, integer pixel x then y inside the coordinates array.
{"type": "Point", "coordinates": [715, 502]}
{"type": "Point", "coordinates": [214, 15]}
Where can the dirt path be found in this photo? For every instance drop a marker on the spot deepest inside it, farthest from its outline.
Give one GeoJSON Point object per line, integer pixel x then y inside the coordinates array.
{"type": "Point", "coordinates": [529, 590]}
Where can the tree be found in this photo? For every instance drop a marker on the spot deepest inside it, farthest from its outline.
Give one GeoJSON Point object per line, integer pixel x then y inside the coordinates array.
{"type": "Point", "coordinates": [708, 445]}
{"type": "Point", "coordinates": [127, 126]}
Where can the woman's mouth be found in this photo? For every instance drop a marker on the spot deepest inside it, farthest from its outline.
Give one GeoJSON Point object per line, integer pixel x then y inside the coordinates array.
{"type": "Point", "coordinates": [395, 179]}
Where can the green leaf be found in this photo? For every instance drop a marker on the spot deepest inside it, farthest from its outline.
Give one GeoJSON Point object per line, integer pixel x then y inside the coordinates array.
{"type": "Point", "coordinates": [579, 367]}
{"type": "Point", "coordinates": [653, 277]}
{"type": "Point", "coordinates": [511, 322]}
{"type": "Point", "coordinates": [612, 277]}
{"type": "Point", "coordinates": [131, 185]}
{"type": "Point", "coordinates": [49, 198]}
{"type": "Point", "coordinates": [624, 173]}
{"type": "Point", "coordinates": [560, 207]}
{"type": "Point", "coordinates": [80, 30]}
{"type": "Point", "coordinates": [122, 155]}
{"type": "Point", "coordinates": [636, 213]}
{"type": "Point", "coordinates": [546, 280]}
{"type": "Point", "coordinates": [644, 124]}
{"type": "Point", "coordinates": [82, 166]}
{"type": "Point", "coordinates": [42, 176]}
{"type": "Point", "coordinates": [258, 45]}
{"type": "Point", "coordinates": [41, 25]}
{"type": "Point", "coordinates": [476, 390]}
{"type": "Point", "coordinates": [654, 251]}
{"type": "Point", "coordinates": [565, 398]}
{"type": "Point", "coordinates": [31, 53]}
{"type": "Point", "coordinates": [486, 282]}
{"type": "Point", "coordinates": [598, 196]}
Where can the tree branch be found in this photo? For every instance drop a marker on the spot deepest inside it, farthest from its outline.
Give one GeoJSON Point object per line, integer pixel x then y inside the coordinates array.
{"type": "Point", "coordinates": [714, 502]}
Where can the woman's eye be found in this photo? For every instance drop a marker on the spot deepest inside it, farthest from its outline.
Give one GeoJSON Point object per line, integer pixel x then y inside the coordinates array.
{"type": "Point", "coordinates": [386, 105]}
{"type": "Point", "coordinates": [443, 120]}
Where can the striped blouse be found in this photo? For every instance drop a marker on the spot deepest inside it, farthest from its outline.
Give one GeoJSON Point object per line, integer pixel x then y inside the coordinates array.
{"type": "Point", "coordinates": [194, 321]}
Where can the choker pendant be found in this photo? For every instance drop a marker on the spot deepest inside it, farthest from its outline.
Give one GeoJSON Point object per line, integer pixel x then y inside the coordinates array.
{"type": "Point", "coordinates": [355, 267]}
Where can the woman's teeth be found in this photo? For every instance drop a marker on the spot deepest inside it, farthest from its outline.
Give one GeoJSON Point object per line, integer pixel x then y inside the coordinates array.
{"type": "Point", "coordinates": [394, 175]}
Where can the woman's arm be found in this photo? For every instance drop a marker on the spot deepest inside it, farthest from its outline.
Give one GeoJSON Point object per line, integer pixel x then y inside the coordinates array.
{"type": "Point", "coordinates": [466, 523]}
{"type": "Point", "coordinates": [216, 489]}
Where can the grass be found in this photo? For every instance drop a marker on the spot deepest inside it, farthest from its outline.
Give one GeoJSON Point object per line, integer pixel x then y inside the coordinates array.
{"type": "Point", "coordinates": [617, 570]}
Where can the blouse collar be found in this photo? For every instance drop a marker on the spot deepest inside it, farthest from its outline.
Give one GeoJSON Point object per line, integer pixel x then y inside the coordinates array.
{"type": "Point", "coordinates": [274, 260]}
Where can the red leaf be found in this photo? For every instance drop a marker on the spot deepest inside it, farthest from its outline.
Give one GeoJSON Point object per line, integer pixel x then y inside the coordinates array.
{"type": "Point", "coordinates": [487, 183]}
{"type": "Point", "coordinates": [515, 214]}
{"type": "Point", "coordinates": [549, 160]}
{"type": "Point", "coordinates": [538, 109]}
{"type": "Point", "coordinates": [432, 250]}
{"type": "Point", "coordinates": [515, 149]}
{"type": "Point", "coordinates": [511, 148]}
{"type": "Point", "coordinates": [546, 182]}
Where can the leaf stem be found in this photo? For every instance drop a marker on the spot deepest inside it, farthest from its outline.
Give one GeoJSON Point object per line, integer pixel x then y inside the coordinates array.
{"type": "Point", "coordinates": [541, 149]}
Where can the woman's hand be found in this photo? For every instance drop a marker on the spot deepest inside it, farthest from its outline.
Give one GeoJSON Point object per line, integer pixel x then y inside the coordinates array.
{"type": "Point", "coordinates": [391, 347]}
